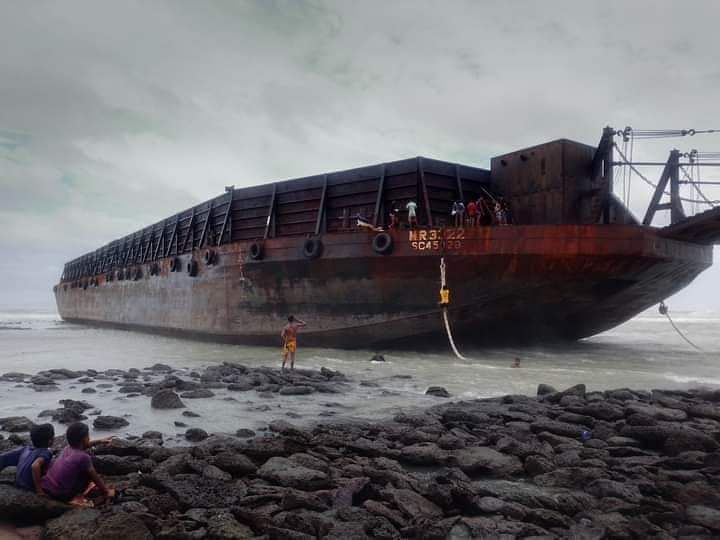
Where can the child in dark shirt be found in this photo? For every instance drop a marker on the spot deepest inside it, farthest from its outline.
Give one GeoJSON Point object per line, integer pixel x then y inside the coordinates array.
{"type": "Point", "coordinates": [72, 474]}
{"type": "Point", "coordinates": [31, 461]}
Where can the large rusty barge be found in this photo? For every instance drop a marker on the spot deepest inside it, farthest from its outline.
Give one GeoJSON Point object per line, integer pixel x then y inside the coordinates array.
{"type": "Point", "coordinates": [572, 262]}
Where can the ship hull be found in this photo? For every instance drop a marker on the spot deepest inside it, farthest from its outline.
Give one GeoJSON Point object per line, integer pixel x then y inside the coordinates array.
{"type": "Point", "coordinates": [522, 283]}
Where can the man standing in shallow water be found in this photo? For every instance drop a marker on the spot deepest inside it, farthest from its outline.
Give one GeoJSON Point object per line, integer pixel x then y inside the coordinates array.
{"type": "Point", "coordinates": [289, 336]}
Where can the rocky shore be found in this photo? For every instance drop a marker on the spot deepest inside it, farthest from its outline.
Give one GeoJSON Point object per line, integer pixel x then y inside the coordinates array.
{"type": "Point", "coordinates": [568, 464]}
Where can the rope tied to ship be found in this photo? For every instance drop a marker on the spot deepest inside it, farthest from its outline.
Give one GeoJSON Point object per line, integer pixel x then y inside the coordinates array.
{"type": "Point", "coordinates": [663, 309]}
{"type": "Point", "coordinates": [444, 302]}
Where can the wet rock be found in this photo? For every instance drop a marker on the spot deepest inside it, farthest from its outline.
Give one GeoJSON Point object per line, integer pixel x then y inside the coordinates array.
{"type": "Point", "coordinates": [166, 399]}
{"type": "Point", "coordinates": [16, 424]}
{"type": "Point", "coordinates": [40, 380]}
{"type": "Point", "coordinates": [224, 526]}
{"type": "Point", "coordinates": [571, 431]}
{"type": "Point", "coordinates": [242, 386]}
{"type": "Point", "coordinates": [411, 504]}
{"type": "Point", "coordinates": [427, 453]}
{"type": "Point", "coordinates": [234, 463]}
{"type": "Point", "coordinates": [190, 414]}
{"type": "Point", "coordinates": [196, 435]}
{"type": "Point", "coordinates": [72, 525]}
{"type": "Point", "coordinates": [296, 390]}
{"type": "Point", "coordinates": [484, 460]}
{"type": "Point", "coordinates": [437, 391]}
{"type": "Point", "coordinates": [601, 410]}
{"type": "Point", "coordinates": [536, 464]}
{"type": "Point", "coordinates": [88, 391]}
{"type": "Point", "coordinates": [160, 367]}
{"type": "Point", "coordinates": [119, 465]}
{"type": "Point", "coordinates": [244, 433]}
{"type": "Point", "coordinates": [26, 507]}
{"type": "Point", "coordinates": [705, 410]}
{"type": "Point", "coordinates": [109, 422]}
{"type": "Point", "coordinates": [621, 490]}
{"type": "Point", "coordinates": [704, 516]}
{"type": "Point", "coordinates": [544, 389]}
{"type": "Point", "coordinates": [177, 423]}
{"type": "Point", "coordinates": [214, 473]}
{"type": "Point", "coordinates": [577, 391]}
{"type": "Point", "coordinates": [197, 394]}
{"type": "Point", "coordinates": [154, 435]}
{"type": "Point", "coordinates": [659, 413]}
{"type": "Point", "coordinates": [377, 358]}
{"type": "Point", "coordinates": [283, 472]}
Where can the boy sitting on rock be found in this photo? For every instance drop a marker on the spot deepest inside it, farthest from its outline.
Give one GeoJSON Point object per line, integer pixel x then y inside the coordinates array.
{"type": "Point", "coordinates": [31, 461]}
{"type": "Point", "coordinates": [72, 476]}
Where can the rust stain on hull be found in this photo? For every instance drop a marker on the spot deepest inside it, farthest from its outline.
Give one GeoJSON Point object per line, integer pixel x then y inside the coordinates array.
{"type": "Point", "coordinates": [527, 282]}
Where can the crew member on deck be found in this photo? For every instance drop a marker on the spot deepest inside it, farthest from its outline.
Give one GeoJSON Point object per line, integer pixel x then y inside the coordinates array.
{"type": "Point", "coordinates": [412, 213]}
{"type": "Point", "coordinates": [289, 336]}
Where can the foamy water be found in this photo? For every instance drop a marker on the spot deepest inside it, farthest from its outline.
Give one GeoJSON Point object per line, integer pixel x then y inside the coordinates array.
{"type": "Point", "coordinates": [644, 353]}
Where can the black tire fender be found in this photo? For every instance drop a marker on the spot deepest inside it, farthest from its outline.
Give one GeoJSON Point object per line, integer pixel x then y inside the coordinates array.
{"type": "Point", "coordinates": [382, 243]}
{"type": "Point", "coordinates": [192, 268]}
{"type": "Point", "coordinates": [312, 248]}
{"type": "Point", "coordinates": [256, 251]}
{"type": "Point", "coordinates": [209, 257]}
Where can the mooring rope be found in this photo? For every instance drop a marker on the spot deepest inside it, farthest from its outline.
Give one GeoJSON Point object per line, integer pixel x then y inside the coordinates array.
{"type": "Point", "coordinates": [663, 309]}
{"type": "Point", "coordinates": [445, 313]}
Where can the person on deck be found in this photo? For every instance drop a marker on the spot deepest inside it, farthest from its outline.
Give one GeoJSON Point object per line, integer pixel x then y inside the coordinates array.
{"type": "Point", "coordinates": [460, 214]}
{"type": "Point", "coordinates": [394, 216]}
{"type": "Point", "coordinates": [472, 212]}
{"type": "Point", "coordinates": [412, 213]}
{"type": "Point", "coordinates": [289, 336]}
{"type": "Point", "coordinates": [71, 476]}
{"type": "Point", "coordinates": [31, 462]}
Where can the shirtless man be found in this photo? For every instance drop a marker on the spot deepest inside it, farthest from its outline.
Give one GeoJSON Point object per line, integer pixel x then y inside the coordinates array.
{"type": "Point", "coordinates": [289, 336]}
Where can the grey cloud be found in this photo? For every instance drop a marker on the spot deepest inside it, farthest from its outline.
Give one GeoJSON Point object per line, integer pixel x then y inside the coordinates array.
{"type": "Point", "coordinates": [115, 115]}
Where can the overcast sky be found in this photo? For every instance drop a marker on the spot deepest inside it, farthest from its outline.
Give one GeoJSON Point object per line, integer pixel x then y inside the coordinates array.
{"type": "Point", "coordinates": [114, 115]}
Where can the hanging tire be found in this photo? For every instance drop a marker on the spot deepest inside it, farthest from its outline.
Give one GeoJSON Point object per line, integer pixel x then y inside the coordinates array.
{"type": "Point", "coordinates": [155, 269]}
{"type": "Point", "coordinates": [175, 264]}
{"type": "Point", "coordinates": [312, 248]}
{"type": "Point", "coordinates": [137, 274]}
{"type": "Point", "coordinates": [192, 268]}
{"type": "Point", "coordinates": [256, 251]}
{"type": "Point", "coordinates": [382, 243]}
{"type": "Point", "coordinates": [209, 257]}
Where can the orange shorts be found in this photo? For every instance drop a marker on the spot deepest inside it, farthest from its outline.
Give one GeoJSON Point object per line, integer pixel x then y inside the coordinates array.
{"type": "Point", "coordinates": [290, 346]}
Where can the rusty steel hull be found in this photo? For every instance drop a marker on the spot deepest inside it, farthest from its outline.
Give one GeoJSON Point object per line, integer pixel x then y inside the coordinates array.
{"type": "Point", "coordinates": [530, 283]}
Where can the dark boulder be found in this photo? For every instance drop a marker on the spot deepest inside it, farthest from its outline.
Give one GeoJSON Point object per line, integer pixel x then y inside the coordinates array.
{"type": "Point", "coordinates": [26, 507]}
{"type": "Point", "coordinates": [544, 389]}
{"type": "Point", "coordinates": [437, 391]}
{"type": "Point", "coordinates": [16, 424]}
{"type": "Point", "coordinates": [73, 525]}
{"type": "Point", "coordinates": [109, 422]}
{"type": "Point", "coordinates": [166, 399]}
{"type": "Point", "coordinates": [296, 390]}
{"type": "Point", "coordinates": [484, 460]}
{"type": "Point", "coordinates": [198, 394]}
{"type": "Point", "coordinates": [196, 435]}
{"type": "Point", "coordinates": [283, 472]}
{"type": "Point", "coordinates": [234, 463]}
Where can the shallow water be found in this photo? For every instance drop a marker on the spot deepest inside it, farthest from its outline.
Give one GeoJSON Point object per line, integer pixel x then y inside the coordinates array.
{"type": "Point", "coordinates": [644, 353]}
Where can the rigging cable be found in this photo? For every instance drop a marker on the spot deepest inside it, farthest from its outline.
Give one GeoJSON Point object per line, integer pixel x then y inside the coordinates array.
{"type": "Point", "coordinates": [663, 309]}
{"type": "Point", "coordinates": [652, 184]}
{"type": "Point", "coordinates": [445, 314]}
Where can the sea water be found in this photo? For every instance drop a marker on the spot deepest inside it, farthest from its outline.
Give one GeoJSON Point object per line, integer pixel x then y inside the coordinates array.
{"type": "Point", "coordinates": [643, 353]}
